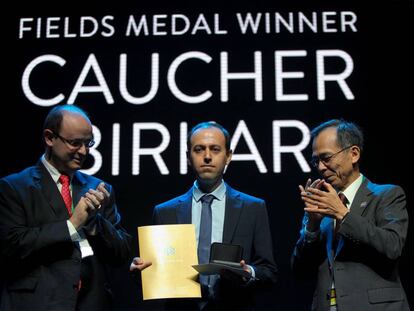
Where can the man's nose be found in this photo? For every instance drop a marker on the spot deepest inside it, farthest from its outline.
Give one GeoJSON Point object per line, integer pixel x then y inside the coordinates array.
{"type": "Point", "coordinates": [207, 156]}
{"type": "Point", "coordinates": [321, 166]}
{"type": "Point", "coordinates": [83, 150]}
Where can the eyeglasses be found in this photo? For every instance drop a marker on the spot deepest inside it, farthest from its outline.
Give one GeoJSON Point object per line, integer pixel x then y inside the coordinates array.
{"type": "Point", "coordinates": [325, 158]}
{"type": "Point", "coordinates": [76, 143]}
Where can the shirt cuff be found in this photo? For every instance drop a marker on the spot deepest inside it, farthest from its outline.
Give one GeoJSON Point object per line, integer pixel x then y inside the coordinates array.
{"type": "Point", "coordinates": [74, 234]}
{"type": "Point", "coordinates": [253, 272]}
{"type": "Point", "coordinates": [253, 275]}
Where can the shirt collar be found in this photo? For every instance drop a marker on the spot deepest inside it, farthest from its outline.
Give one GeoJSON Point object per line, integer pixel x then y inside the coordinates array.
{"type": "Point", "coordinates": [219, 193]}
{"type": "Point", "coordinates": [352, 189]}
{"type": "Point", "coordinates": [52, 170]}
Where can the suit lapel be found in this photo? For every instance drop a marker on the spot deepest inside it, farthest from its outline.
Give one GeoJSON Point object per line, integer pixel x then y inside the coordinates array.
{"type": "Point", "coordinates": [47, 186]}
{"type": "Point", "coordinates": [184, 208]}
{"type": "Point", "coordinates": [232, 213]}
{"type": "Point", "coordinates": [358, 205]}
{"type": "Point", "coordinates": [79, 187]}
{"type": "Point", "coordinates": [361, 198]}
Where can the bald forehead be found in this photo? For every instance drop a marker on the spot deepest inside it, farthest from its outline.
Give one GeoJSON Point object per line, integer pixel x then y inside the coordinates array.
{"type": "Point", "coordinates": [75, 115]}
{"type": "Point", "coordinates": [210, 134]}
{"type": "Point", "coordinates": [73, 120]}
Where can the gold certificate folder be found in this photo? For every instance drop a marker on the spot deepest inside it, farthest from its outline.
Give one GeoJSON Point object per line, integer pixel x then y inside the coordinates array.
{"type": "Point", "coordinates": [172, 251]}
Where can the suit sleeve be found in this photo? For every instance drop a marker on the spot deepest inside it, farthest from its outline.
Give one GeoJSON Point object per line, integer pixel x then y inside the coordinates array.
{"type": "Point", "coordinates": [263, 261]}
{"type": "Point", "coordinates": [111, 243]}
{"type": "Point", "coordinates": [307, 254]}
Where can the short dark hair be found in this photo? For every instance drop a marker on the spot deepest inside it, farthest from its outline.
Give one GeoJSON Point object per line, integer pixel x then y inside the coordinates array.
{"type": "Point", "coordinates": [347, 133]}
{"type": "Point", "coordinates": [54, 118]}
{"type": "Point", "coordinates": [205, 125]}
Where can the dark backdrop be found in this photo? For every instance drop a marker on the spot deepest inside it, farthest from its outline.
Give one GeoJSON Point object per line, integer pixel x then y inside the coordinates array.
{"type": "Point", "coordinates": [379, 82]}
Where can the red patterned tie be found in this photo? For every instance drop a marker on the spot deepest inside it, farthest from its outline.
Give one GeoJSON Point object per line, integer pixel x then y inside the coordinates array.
{"type": "Point", "coordinates": [67, 198]}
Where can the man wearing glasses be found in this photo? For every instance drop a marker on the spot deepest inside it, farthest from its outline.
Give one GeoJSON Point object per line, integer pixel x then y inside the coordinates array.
{"type": "Point", "coordinates": [59, 228]}
{"type": "Point", "coordinates": [353, 230]}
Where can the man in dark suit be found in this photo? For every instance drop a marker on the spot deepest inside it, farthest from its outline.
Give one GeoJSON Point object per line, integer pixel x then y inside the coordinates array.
{"type": "Point", "coordinates": [353, 230]}
{"type": "Point", "coordinates": [59, 228]}
{"type": "Point", "coordinates": [237, 218]}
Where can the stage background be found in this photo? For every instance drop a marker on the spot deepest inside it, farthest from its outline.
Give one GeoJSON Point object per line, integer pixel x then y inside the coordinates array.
{"type": "Point", "coordinates": [366, 51]}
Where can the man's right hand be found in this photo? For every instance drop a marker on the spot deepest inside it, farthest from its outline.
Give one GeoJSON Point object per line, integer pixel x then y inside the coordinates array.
{"type": "Point", "coordinates": [139, 264]}
{"type": "Point", "coordinates": [80, 213]}
{"type": "Point", "coordinates": [90, 201]}
{"type": "Point", "coordinates": [314, 219]}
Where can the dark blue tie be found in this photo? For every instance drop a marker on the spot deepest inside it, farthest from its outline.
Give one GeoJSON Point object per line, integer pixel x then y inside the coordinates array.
{"type": "Point", "coordinates": [204, 242]}
{"type": "Point", "coordinates": [204, 238]}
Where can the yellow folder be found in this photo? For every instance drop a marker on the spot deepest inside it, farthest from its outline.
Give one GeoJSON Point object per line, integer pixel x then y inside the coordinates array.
{"type": "Point", "coordinates": [172, 250]}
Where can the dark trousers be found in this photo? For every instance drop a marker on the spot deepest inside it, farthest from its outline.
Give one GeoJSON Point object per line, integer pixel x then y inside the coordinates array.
{"type": "Point", "coordinates": [94, 293]}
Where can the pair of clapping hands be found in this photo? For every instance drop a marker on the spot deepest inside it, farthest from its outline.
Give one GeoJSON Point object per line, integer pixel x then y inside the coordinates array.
{"type": "Point", "coordinates": [321, 200]}
{"type": "Point", "coordinates": [90, 201]}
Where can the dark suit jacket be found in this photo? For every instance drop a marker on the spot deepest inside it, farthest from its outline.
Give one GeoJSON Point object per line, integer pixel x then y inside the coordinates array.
{"type": "Point", "coordinates": [365, 267]}
{"type": "Point", "coordinates": [246, 224]}
{"type": "Point", "coordinates": [40, 265]}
